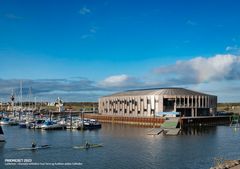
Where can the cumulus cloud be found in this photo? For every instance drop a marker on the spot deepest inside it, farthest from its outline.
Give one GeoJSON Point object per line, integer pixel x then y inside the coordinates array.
{"type": "Point", "coordinates": [74, 89]}
{"type": "Point", "coordinates": [84, 11]}
{"type": "Point", "coordinates": [120, 81]}
{"type": "Point", "coordinates": [200, 69]}
{"type": "Point", "coordinates": [233, 49]}
{"type": "Point", "coordinates": [48, 88]}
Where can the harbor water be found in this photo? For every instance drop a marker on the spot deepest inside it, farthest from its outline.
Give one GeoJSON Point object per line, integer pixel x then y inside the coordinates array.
{"type": "Point", "coordinates": [125, 146]}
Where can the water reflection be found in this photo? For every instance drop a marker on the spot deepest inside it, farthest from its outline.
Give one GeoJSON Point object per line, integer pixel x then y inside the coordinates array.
{"type": "Point", "coordinates": [2, 144]}
{"type": "Point", "coordinates": [198, 130]}
{"type": "Point", "coordinates": [126, 146]}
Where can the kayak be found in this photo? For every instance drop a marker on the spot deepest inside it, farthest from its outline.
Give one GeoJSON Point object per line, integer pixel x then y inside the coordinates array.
{"type": "Point", "coordinates": [35, 148]}
{"type": "Point", "coordinates": [90, 146]}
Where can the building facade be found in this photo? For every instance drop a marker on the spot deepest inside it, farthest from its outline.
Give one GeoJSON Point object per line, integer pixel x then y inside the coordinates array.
{"type": "Point", "coordinates": [149, 102]}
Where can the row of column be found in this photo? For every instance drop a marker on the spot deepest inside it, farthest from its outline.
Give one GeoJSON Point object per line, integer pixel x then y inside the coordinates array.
{"type": "Point", "coordinates": [130, 106]}
{"type": "Point", "coordinates": [149, 105]}
{"type": "Point", "coordinates": [194, 101]}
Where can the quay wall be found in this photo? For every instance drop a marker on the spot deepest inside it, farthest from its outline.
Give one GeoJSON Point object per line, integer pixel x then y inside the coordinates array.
{"type": "Point", "coordinates": [150, 121]}
{"type": "Point", "coordinates": [142, 121]}
{"type": "Point", "coordinates": [205, 121]}
{"type": "Point", "coordinates": [157, 121]}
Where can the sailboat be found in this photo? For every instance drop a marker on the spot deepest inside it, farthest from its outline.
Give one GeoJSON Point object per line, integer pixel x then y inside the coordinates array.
{"type": "Point", "coordinates": [2, 139]}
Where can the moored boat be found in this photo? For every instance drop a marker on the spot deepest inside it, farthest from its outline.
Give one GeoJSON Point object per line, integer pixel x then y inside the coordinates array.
{"type": "Point", "coordinates": [13, 122]}
{"type": "Point", "coordinates": [90, 124]}
{"type": "Point", "coordinates": [2, 139]}
{"type": "Point", "coordinates": [23, 124]}
{"type": "Point", "coordinates": [37, 124]}
{"type": "Point", "coordinates": [51, 125]}
{"type": "Point", "coordinates": [4, 121]}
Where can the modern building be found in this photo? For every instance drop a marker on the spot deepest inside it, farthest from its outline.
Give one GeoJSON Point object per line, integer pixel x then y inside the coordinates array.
{"type": "Point", "coordinates": [150, 102]}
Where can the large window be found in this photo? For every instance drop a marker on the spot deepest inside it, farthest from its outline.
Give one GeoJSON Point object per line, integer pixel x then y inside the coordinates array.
{"type": "Point", "coordinates": [168, 104]}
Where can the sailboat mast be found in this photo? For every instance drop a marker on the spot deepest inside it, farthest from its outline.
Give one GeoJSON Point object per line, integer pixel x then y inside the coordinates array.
{"type": "Point", "coordinates": [21, 94]}
{"type": "Point", "coordinates": [30, 96]}
{"type": "Point", "coordinates": [35, 100]}
{"type": "Point", "coordinates": [12, 100]}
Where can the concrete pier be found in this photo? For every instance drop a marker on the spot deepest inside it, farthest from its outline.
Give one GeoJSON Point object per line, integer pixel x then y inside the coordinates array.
{"type": "Point", "coordinates": [172, 132]}
{"type": "Point", "coordinates": [155, 131]}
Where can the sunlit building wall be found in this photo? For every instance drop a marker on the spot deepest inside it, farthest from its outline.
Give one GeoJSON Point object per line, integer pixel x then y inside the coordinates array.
{"type": "Point", "coordinates": [149, 102]}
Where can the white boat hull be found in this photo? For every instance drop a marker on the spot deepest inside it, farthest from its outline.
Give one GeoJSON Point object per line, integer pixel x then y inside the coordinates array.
{"type": "Point", "coordinates": [52, 127]}
{"type": "Point", "coordinates": [35, 148]}
{"type": "Point", "coordinates": [3, 123]}
{"type": "Point", "coordinates": [2, 139]}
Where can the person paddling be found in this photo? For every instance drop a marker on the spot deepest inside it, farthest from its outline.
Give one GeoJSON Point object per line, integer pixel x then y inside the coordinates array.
{"type": "Point", "coordinates": [34, 144]}
{"type": "Point", "coordinates": [87, 145]}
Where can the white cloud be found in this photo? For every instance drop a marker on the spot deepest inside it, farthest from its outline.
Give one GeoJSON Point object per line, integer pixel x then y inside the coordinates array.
{"type": "Point", "coordinates": [93, 29]}
{"type": "Point", "coordinates": [87, 36]}
{"type": "Point", "coordinates": [48, 88]}
{"type": "Point", "coordinates": [200, 69]}
{"type": "Point", "coordinates": [91, 33]}
{"type": "Point", "coordinates": [119, 81]}
{"type": "Point", "coordinates": [192, 23]}
{"type": "Point", "coordinates": [233, 49]}
{"type": "Point", "coordinates": [84, 11]}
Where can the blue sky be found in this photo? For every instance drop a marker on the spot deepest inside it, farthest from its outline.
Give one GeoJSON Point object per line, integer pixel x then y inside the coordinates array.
{"type": "Point", "coordinates": [81, 50]}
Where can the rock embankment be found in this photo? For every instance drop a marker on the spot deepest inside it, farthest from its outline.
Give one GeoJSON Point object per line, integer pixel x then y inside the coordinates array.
{"type": "Point", "coordinates": [228, 164]}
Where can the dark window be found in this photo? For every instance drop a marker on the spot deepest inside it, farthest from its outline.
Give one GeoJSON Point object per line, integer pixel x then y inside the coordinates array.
{"type": "Point", "coordinates": [190, 101]}
{"type": "Point", "coordinates": [148, 101]}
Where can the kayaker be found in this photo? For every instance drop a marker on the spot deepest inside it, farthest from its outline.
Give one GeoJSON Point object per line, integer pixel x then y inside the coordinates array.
{"type": "Point", "coordinates": [87, 145]}
{"type": "Point", "coordinates": [34, 144]}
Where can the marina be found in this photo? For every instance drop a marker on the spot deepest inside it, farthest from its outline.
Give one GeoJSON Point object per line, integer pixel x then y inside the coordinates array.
{"type": "Point", "coordinates": [50, 122]}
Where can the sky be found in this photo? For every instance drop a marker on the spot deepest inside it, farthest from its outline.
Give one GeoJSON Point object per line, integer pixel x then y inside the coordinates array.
{"type": "Point", "coordinates": [80, 50]}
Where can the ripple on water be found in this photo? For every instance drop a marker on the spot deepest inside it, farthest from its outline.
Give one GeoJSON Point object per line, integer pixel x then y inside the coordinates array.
{"type": "Point", "coordinates": [125, 146]}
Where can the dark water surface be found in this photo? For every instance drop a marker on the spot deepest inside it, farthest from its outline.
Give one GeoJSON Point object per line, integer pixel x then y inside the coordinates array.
{"type": "Point", "coordinates": [125, 146]}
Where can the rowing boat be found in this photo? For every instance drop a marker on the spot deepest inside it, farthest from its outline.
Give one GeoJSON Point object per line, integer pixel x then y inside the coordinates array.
{"type": "Point", "coordinates": [35, 148]}
{"type": "Point", "coordinates": [90, 146]}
